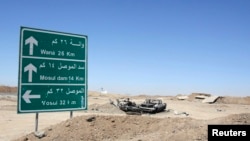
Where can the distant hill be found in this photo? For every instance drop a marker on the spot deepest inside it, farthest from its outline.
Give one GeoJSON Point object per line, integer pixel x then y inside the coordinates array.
{"type": "Point", "coordinates": [7, 89]}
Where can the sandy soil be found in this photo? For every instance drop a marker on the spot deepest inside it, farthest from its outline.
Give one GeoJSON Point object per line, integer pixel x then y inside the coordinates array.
{"type": "Point", "coordinates": [103, 121]}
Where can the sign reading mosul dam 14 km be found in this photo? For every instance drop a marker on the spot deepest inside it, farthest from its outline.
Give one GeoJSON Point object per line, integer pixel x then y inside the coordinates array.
{"type": "Point", "coordinates": [52, 71]}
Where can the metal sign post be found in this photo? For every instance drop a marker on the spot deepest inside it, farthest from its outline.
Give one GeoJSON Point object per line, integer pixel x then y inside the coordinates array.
{"type": "Point", "coordinates": [36, 127]}
{"type": "Point", "coordinates": [71, 114]}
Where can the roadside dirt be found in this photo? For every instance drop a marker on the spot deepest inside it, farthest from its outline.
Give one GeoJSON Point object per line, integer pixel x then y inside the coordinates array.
{"type": "Point", "coordinates": [134, 128]}
{"type": "Point", "coordinates": [103, 121]}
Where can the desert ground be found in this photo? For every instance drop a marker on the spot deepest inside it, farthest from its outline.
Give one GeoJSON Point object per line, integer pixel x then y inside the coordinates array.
{"type": "Point", "coordinates": [182, 120]}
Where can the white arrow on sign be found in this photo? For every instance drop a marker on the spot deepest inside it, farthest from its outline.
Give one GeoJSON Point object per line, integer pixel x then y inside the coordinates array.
{"type": "Point", "coordinates": [32, 41]}
{"type": "Point", "coordinates": [27, 96]}
{"type": "Point", "coordinates": [30, 68]}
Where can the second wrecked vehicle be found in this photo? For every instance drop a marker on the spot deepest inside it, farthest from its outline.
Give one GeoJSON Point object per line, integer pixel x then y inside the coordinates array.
{"type": "Point", "coordinates": [153, 106]}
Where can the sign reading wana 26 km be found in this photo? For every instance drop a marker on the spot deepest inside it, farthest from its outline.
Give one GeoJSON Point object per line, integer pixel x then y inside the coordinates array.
{"type": "Point", "coordinates": [52, 71]}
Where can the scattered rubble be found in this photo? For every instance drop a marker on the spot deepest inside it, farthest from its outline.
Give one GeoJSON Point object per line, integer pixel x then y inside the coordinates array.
{"type": "Point", "coordinates": [182, 97]}
{"type": "Point", "coordinates": [201, 97]}
{"type": "Point", "coordinates": [40, 134]}
{"type": "Point", "coordinates": [210, 99]}
{"type": "Point", "coordinates": [181, 113]}
{"type": "Point", "coordinates": [206, 98]}
{"type": "Point", "coordinates": [90, 119]}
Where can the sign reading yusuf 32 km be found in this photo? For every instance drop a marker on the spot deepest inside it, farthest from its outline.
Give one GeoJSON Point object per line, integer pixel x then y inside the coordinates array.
{"type": "Point", "coordinates": [52, 71]}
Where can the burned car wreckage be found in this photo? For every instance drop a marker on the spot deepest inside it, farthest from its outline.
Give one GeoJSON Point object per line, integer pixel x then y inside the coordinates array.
{"type": "Point", "coordinates": [153, 106]}
{"type": "Point", "coordinates": [148, 106]}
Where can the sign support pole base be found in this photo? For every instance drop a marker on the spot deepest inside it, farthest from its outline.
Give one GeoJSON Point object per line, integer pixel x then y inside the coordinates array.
{"type": "Point", "coordinates": [71, 114]}
{"type": "Point", "coordinates": [36, 128]}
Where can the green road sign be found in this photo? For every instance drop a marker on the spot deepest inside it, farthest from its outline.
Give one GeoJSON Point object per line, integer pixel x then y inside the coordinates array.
{"type": "Point", "coordinates": [52, 71]}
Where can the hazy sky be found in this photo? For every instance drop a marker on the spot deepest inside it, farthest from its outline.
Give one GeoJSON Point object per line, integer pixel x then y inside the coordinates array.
{"type": "Point", "coordinates": [163, 47]}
